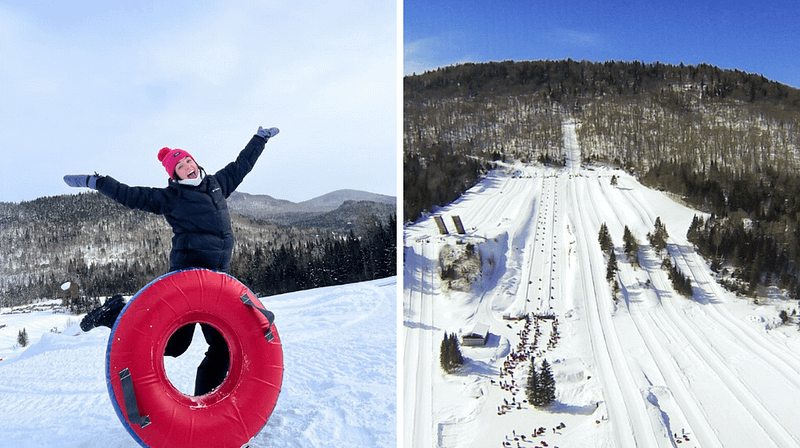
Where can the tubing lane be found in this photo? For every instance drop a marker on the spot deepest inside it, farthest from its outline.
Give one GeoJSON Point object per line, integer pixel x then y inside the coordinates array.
{"type": "Point", "coordinates": [655, 340]}
{"type": "Point", "coordinates": [621, 403]}
{"type": "Point", "coordinates": [760, 347]}
{"type": "Point", "coordinates": [417, 407]}
{"type": "Point", "coordinates": [655, 337]}
{"type": "Point", "coordinates": [542, 249]}
{"type": "Point", "coordinates": [762, 416]}
{"type": "Point", "coordinates": [635, 399]}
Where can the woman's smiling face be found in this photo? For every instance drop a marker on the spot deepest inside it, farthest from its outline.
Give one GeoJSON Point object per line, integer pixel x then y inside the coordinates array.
{"type": "Point", "coordinates": [187, 169]}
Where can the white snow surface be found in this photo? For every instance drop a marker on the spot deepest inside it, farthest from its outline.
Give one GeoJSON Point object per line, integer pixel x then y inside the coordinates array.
{"type": "Point", "coordinates": [649, 369]}
{"type": "Point", "coordinates": [339, 385]}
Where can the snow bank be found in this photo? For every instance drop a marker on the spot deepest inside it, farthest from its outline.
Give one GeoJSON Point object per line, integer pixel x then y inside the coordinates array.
{"type": "Point", "coordinates": [339, 383]}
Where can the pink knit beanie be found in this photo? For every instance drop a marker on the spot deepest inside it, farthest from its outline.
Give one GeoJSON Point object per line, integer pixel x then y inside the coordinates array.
{"type": "Point", "coordinates": [170, 157]}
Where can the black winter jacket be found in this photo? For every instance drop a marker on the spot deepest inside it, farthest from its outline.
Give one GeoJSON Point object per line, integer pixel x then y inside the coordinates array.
{"type": "Point", "coordinates": [198, 215]}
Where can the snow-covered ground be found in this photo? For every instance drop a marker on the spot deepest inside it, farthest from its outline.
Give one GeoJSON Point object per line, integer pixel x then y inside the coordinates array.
{"type": "Point", "coordinates": [650, 368]}
{"type": "Point", "coordinates": [339, 385]}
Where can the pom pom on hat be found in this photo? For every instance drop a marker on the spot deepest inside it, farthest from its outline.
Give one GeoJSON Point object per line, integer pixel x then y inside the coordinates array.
{"type": "Point", "coordinates": [170, 157]}
{"type": "Point", "coordinates": [163, 152]}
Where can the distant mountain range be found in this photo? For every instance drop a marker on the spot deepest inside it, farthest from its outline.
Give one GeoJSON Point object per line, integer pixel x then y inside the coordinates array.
{"type": "Point", "coordinates": [334, 209]}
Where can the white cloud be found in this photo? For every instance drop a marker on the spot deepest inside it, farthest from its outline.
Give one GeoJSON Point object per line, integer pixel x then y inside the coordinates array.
{"type": "Point", "coordinates": [579, 38]}
{"type": "Point", "coordinates": [438, 51]}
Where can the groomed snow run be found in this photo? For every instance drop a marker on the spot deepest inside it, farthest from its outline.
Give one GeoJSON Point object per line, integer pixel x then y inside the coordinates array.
{"type": "Point", "coordinates": [339, 385]}
{"type": "Point", "coordinates": [647, 368]}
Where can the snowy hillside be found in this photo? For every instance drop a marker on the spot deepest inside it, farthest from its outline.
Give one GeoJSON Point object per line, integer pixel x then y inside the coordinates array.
{"type": "Point", "coordinates": [339, 386]}
{"type": "Point", "coordinates": [647, 368]}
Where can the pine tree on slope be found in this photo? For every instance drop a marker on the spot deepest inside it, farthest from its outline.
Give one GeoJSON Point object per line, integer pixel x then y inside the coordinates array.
{"type": "Point", "coordinates": [532, 389]}
{"type": "Point", "coordinates": [541, 387]}
{"type": "Point", "coordinates": [547, 385]}
{"type": "Point", "coordinates": [449, 354]}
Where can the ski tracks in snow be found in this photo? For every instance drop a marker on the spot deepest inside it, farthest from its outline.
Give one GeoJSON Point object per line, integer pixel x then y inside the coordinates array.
{"type": "Point", "coordinates": [708, 346]}
{"type": "Point", "coordinates": [626, 408]}
{"type": "Point", "coordinates": [418, 359]}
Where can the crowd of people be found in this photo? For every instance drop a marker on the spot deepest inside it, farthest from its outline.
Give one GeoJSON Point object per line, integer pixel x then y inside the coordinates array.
{"type": "Point", "coordinates": [510, 381]}
{"type": "Point", "coordinates": [524, 351]}
{"type": "Point", "coordinates": [520, 440]}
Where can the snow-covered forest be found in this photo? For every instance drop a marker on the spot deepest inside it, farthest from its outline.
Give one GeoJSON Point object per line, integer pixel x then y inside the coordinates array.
{"type": "Point", "coordinates": [107, 249]}
{"type": "Point", "coordinates": [634, 113]}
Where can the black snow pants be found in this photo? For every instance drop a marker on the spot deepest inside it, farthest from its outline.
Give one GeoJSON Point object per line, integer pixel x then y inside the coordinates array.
{"type": "Point", "coordinates": [214, 368]}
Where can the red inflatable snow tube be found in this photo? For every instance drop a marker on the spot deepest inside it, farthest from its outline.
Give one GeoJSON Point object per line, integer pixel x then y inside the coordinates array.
{"type": "Point", "coordinates": [153, 411]}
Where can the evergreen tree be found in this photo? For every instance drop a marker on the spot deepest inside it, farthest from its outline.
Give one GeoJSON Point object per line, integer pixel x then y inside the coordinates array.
{"type": "Point", "coordinates": [605, 239]}
{"type": "Point", "coordinates": [607, 245]}
{"type": "Point", "coordinates": [533, 388]}
{"type": "Point", "coordinates": [457, 358]}
{"type": "Point", "coordinates": [443, 353]}
{"type": "Point", "coordinates": [681, 283]}
{"type": "Point", "coordinates": [694, 233]}
{"type": "Point", "coordinates": [612, 268]}
{"type": "Point", "coordinates": [541, 387]}
{"type": "Point", "coordinates": [631, 247]}
{"type": "Point", "coordinates": [547, 385]}
{"type": "Point", "coordinates": [658, 238]}
{"type": "Point", "coordinates": [449, 354]}
{"type": "Point", "coordinates": [22, 338]}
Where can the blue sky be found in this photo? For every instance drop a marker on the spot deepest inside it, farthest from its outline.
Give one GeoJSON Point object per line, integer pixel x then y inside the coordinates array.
{"type": "Point", "coordinates": [102, 85]}
{"type": "Point", "coordinates": [752, 36]}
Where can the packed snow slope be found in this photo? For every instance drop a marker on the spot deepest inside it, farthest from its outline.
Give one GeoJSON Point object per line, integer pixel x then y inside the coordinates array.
{"type": "Point", "coordinates": [645, 368]}
{"type": "Point", "coordinates": [339, 385]}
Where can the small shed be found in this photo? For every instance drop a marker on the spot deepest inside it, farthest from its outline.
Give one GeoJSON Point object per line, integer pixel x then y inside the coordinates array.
{"type": "Point", "coordinates": [477, 336]}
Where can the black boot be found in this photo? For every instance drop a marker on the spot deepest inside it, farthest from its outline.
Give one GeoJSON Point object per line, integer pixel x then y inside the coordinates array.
{"type": "Point", "coordinates": [104, 315]}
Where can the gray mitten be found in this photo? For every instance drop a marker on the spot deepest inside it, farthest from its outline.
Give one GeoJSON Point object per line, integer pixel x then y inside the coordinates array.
{"type": "Point", "coordinates": [267, 133]}
{"type": "Point", "coordinates": [82, 180]}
